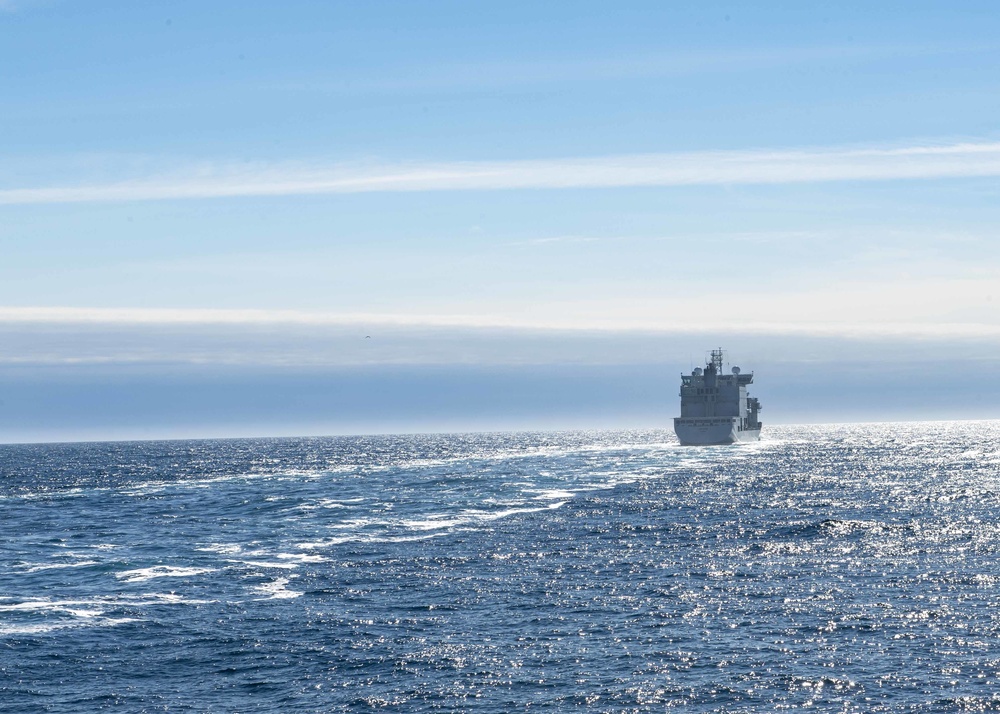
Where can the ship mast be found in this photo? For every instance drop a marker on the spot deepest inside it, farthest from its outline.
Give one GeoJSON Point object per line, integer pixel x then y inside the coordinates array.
{"type": "Point", "coordinates": [717, 359]}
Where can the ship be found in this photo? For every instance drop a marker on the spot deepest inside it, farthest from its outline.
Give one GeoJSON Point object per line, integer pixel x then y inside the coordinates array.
{"type": "Point", "coordinates": [715, 407]}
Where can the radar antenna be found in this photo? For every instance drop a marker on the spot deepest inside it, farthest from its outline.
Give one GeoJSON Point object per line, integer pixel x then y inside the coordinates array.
{"type": "Point", "coordinates": [717, 359]}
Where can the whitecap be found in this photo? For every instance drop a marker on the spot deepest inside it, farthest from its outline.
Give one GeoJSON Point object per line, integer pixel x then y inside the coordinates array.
{"type": "Point", "coordinates": [39, 628]}
{"type": "Point", "coordinates": [339, 502]}
{"type": "Point", "coordinates": [36, 567]}
{"type": "Point", "coordinates": [398, 539]}
{"type": "Point", "coordinates": [496, 515]}
{"type": "Point", "coordinates": [366, 538]}
{"type": "Point", "coordinates": [159, 571]}
{"type": "Point", "coordinates": [314, 544]}
{"type": "Point", "coordinates": [354, 523]}
{"type": "Point", "coordinates": [552, 493]}
{"type": "Point", "coordinates": [434, 522]}
{"type": "Point", "coordinates": [266, 564]}
{"type": "Point", "coordinates": [472, 516]}
{"type": "Point", "coordinates": [70, 607]}
{"type": "Point", "coordinates": [301, 557]}
{"type": "Point", "coordinates": [88, 607]}
{"type": "Point", "coordinates": [160, 599]}
{"type": "Point", "coordinates": [223, 548]}
{"type": "Point", "coordinates": [277, 590]}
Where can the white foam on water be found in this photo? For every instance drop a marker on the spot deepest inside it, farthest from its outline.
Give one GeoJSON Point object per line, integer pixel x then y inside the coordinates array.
{"type": "Point", "coordinates": [53, 495]}
{"type": "Point", "coordinates": [336, 503]}
{"type": "Point", "coordinates": [36, 567]}
{"type": "Point", "coordinates": [530, 452]}
{"type": "Point", "coordinates": [159, 571]}
{"type": "Point", "coordinates": [70, 607]}
{"type": "Point", "coordinates": [551, 493]}
{"type": "Point", "coordinates": [429, 525]}
{"type": "Point", "coordinates": [36, 629]}
{"type": "Point", "coordinates": [161, 599]}
{"type": "Point", "coordinates": [496, 501]}
{"type": "Point", "coordinates": [153, 487]}
{"type": "Point", "coordinates": [222, 548]}
{"type": "Point", "coordinates": [43, 627]}
{"type": "Point", "coordinates": [365, 538]}
{"type": "Point", "coordinates": [103, 602]}
{"type": "Point", "coordinates": [354, 523]}
{"type": "Point", "coordinates": [471, 516]}
{"type": "Point", "coordinates": [277, 590]}
{"type": "Point", "coordinates": [596, 487]}
{"type": "Point", "coordinates": [302, 557]}
{"type": "Point", "coordinates": [255, 553]}
{"type": "Point", "coordinates": [496, 515]}
{"type": "Point", "coordinates": [87, 612]}
{"type": "Point", "coordinates": [266, 564]}
{"type": "Point", "coordinates": [399, 539]}
{"type": "Point", "coordinates": [314, 544]}
{"type": "Point", "coordinates": [434, 522]}
{"type": "Point", "coordinates": [312, 474]}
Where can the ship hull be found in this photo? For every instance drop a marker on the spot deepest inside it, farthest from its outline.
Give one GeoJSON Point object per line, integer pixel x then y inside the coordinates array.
{"type": "Point", "coordinates": [712, 431]}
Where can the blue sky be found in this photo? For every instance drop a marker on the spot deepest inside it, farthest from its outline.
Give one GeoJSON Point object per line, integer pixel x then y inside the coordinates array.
{"type": "Point", "coordinates": [187, 188]}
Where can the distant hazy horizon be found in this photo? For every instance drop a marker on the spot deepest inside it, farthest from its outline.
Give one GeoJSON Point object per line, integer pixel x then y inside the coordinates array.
{"type": "Point", "coordinates": [107, 403]}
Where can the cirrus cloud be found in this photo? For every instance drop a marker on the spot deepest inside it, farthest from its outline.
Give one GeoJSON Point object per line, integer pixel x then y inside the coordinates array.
{"type": "Point", "coordinates": [956, 160]}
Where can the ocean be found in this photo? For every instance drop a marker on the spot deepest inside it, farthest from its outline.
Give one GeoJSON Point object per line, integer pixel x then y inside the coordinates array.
{"type": "Point", "coordinates": [838, 567]}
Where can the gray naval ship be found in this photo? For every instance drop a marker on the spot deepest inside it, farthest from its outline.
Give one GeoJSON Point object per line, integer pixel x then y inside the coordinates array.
{"type": "Point", "coordinates": [715, 407]}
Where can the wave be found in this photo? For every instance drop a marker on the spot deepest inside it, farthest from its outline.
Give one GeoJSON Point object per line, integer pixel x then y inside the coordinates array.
{"type": "Point", "coordinates": [44, 627]}
{"type": "Point", "coordinates": [38, 567]}
{"type": "Point", "coordinates": [159, 571]}
{"type": "Point", "coordinates": [277, 590]}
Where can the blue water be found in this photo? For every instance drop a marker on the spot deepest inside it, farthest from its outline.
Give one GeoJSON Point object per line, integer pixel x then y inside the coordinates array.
{"type": "Point", "coordinates": [847, 568]}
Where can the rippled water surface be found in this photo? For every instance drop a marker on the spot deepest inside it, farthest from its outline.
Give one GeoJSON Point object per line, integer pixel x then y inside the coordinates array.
{"type": "Point", "coordinates": [851, 568]}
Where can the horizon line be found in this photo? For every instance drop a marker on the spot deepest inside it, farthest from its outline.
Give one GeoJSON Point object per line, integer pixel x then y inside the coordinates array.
{"type": "Point", "coordinates": [231, 434]}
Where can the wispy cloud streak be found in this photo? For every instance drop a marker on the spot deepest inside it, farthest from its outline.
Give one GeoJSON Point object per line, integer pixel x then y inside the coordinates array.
{"type": "Point", "coordinates": [251, 318]}
{"type": "Point", "coordinates": [962, 160]}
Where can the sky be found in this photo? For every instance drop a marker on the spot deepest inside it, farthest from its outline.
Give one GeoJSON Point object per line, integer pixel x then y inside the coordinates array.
{"type": "Point", "coordinates": [250, 218]}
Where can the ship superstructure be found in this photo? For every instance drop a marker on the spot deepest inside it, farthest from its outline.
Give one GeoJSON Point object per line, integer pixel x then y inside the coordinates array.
{"type": "Point", "coordinates": [715, 407]}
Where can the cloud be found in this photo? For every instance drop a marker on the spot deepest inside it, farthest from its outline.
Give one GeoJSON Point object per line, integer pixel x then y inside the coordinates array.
{"type": "Point", "coordinates": [610, 322]}
{"type": "Point", "coordinates": [961, 160]}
